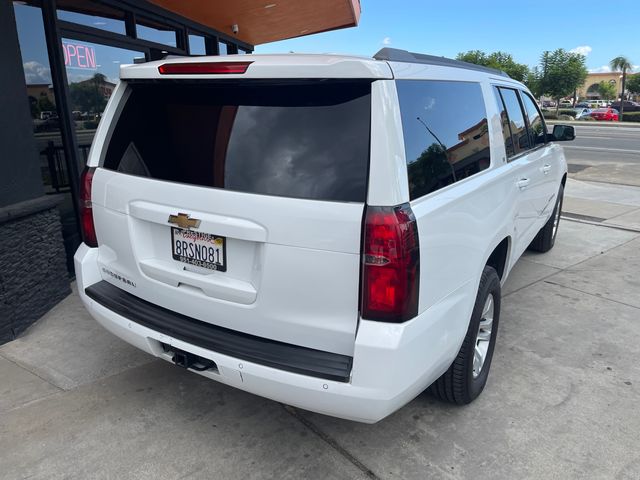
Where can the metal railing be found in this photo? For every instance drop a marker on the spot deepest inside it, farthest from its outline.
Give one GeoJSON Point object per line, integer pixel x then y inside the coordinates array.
{"type": "Point", "coordinates": [57, 166]}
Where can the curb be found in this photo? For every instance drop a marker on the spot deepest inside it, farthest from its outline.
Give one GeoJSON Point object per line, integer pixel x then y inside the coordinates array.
{"type": "Point", "coordinates": [594, 123]}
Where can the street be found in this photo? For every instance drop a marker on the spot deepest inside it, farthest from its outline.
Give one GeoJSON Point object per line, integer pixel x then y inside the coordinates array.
{"type": "Point", "coordinates": [605, 154]}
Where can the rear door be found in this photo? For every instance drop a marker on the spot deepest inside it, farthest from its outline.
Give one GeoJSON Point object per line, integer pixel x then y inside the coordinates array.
{"type": "Point", "coordinates": [546, 156]}
{"type": "Point", "coordinates": [239, 203]}
{"type": "Point", "coordinates": [528, 176]}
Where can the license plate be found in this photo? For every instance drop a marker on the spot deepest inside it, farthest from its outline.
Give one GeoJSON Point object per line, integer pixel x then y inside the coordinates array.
{"type": "Point", "coordinates": [198, 248]}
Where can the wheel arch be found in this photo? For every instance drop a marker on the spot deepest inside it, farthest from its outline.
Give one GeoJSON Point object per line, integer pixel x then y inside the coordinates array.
{"type": "Point", "coordinates": [499, 256]}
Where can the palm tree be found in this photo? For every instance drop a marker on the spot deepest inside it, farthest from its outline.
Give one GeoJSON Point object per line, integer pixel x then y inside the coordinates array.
{"type": "Point", "coordinates": [621, 63]}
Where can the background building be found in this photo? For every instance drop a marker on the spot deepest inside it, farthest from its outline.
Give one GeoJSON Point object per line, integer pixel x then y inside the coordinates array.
{"type": "Point", "coordinates": [61, 61]}
{"type": "Point", "coordinates": [590, 88]}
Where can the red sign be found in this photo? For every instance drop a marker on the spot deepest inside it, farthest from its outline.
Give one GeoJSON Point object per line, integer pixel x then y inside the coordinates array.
{"type": "Point", "coordinates": [79, 56]}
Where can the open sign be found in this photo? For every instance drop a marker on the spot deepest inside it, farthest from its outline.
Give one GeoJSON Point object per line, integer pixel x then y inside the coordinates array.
{"type": "Point", "coordinates": [79, 56]}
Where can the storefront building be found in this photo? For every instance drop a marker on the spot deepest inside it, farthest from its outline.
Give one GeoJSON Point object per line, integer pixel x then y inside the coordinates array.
{"type": "Point", "coordinates": [61, 62]}
{"type": "Point", "coordinates": [589, 89]}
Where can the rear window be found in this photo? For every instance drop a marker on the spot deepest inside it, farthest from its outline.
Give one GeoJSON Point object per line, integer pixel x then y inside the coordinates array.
{"type": "Point", "coordinates": [307, 140]}
{"type": "Point", "coordinates": [446, 136]}
{"type": "Point", "coordinates": [517, 122]}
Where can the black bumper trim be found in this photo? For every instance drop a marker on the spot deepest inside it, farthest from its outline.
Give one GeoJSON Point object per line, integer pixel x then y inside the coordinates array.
{"type": "Point", "coordinates": [263, 351]}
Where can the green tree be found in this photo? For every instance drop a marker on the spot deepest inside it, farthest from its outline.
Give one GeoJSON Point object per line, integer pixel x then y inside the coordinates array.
{"type": "Point", "coordinates": [44, 104]}
{"type": "Point", "coordinates": [431, 170]}
{"type": "Point", "coordinates": [498, 60]}
{"type": "Point", "coordinates": [561, 73]}
{"type": "Point", "coordinates": [477, 57]}
{"type": "Point", "coordinates": [534, 79]}
{"type": "Point", "coordinates": [33, 106]}
{"type": "Point", "coordinates": [87, 95]}
{"type": "Point", "coordinates": [606, 90]}
{"type": "Point", "coordinates": [621, 63]}
{"type": "Point", "coordinates": [533, 83]}
{"type": "Point", "coordinates": [633, 84]}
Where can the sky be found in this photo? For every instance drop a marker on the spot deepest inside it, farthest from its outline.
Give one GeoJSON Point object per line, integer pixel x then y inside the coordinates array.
{"type": "Point", "coordinates": [524, 29]}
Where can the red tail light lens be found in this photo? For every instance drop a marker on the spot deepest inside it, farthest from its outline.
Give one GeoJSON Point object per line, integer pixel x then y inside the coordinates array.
{"type": "Point", "coordinates": [86, 210]}
{"type": "Point", "coordinates": [391, 264]}
{"type": "Point", "coordinates": [202, 68]}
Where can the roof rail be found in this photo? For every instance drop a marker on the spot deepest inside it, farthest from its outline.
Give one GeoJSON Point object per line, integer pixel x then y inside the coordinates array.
{"type": "Point", "coordinates": [396, 55]}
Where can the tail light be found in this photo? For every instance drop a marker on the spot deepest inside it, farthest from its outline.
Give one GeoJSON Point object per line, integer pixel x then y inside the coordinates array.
{"type": "Point", "coordinates": [86, 211]}
{"type": "Point", "coordinates": [391, 264]}
{"type": "Point", "coordinates": [203, 68]}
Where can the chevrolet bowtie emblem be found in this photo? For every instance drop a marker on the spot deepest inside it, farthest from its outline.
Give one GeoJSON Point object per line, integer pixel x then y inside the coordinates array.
{"type": "Point", "coordinates": [184, 221]}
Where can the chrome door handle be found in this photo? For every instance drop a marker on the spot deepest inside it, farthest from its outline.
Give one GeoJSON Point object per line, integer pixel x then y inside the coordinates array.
{"type": "Point", "coordinates": [523, 183]}
{"type": "Point", "coordinates": [546, 169]}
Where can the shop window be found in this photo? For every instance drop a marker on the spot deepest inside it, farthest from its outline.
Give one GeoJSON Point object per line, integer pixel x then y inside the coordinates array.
{"type": "Point", "coordinates": [93, 70]}
{"type": "Point", "coordinates": [46, 123]}
{"type": "Point", "coordinates": [197, 45]}
{"type": "Point", "coordinates": [42, 101]}
{"type": "Point", "coordinates": [92, 15]}
{"type": "Point", "coordinates": [223, 48]}
{"type": "Point", "coordinates": [155, 32]}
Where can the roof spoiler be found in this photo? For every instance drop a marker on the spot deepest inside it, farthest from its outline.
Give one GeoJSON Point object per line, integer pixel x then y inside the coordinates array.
{"type": "Point", "coordinates": [396, 55]}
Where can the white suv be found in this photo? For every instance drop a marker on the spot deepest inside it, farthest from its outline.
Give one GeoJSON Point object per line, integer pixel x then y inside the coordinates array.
{"type": "Point", "coordinates": [327, 231]}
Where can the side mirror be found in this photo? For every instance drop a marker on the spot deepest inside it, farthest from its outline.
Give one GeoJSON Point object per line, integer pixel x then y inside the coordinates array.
{"type": "Point", "coordinates": [563, 133]}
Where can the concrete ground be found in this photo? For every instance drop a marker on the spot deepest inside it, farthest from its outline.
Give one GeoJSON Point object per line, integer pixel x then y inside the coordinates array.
{"type": "Point", "coordinates": [561, 401]}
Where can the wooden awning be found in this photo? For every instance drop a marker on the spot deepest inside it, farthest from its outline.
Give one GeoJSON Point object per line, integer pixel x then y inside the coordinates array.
{"type": "Point", "coordinates": [263, 21]}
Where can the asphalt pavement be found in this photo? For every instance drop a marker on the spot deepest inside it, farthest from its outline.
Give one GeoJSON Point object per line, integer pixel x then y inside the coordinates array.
{"type": "Point", "coordinates": [605, 153]}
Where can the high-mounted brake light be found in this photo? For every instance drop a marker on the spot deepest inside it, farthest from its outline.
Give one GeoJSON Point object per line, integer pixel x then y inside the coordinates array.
{"type": "Point", "coordinates": [201, 68]}
{"type": "Point", "coordinates": [390, 264]}
{"type": "Point", "coordinates": [86, 209]}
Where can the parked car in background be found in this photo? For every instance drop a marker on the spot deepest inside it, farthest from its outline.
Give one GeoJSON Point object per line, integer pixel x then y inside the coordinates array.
{"type": "Point", "coordinates": [566, 104]}
{"type": "Point", "coordinates": [609, 114]}
{"type": "Point", "coordinates": [628, 106]}
{"type": "Point", "coordinates": [582, 112]}
{"type": "Point", "coordinates": [583, 105]}
{"type": "Point", "coordinates": [46, 114]}
{"type": "Point", "coordinates": [598, 103]}
{"type": "Point", "coordinates": [48, 125]}
{"type": "Point", "coordinates": [548, 104]}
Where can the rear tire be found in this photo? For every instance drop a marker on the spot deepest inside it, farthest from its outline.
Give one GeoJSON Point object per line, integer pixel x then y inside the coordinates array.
{"type": "Point", "coordinates": [546, 237]}
{"type": "Point", "coordinates": [466, 377]}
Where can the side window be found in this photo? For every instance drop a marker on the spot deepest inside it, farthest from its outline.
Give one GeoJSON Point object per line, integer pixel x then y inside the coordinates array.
{"type": "Point", "coordinates": [537, 128]}
{"type": "Point", "coordinates": [446, 136]}
{"type": "Point", "coordinates": [504, 121]}
{"type": "Point", "coordinates": [516, 120]}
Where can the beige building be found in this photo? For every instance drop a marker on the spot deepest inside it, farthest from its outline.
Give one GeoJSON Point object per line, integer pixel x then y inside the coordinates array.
{"type": "Point", "coordinates": [37, 90]}
{"type": "Point", "coordinates": [590, 87]}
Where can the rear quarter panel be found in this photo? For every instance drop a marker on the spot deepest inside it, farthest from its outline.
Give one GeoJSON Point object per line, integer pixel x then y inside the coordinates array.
{"type": "Point", "coordinates": [460, 225]}
{"type": "Point", "coordinates": [459, 228]}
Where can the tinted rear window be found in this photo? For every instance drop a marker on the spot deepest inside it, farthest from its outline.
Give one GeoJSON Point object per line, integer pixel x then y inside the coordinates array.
{"type": "Point", "coordinates": [446, 136]}
{"type": "Point", "coordinates": [537, 127]}
{"type": "Point", "coordinates": [516, 120]}
{"type": "Point", "coordinates": [296, 140]}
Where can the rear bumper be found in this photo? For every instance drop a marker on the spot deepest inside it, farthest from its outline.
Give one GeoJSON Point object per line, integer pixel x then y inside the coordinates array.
{"type": "Point", "coordinates": [391, 364]}
{"type": "Point", "coordinates": [263, 351]}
